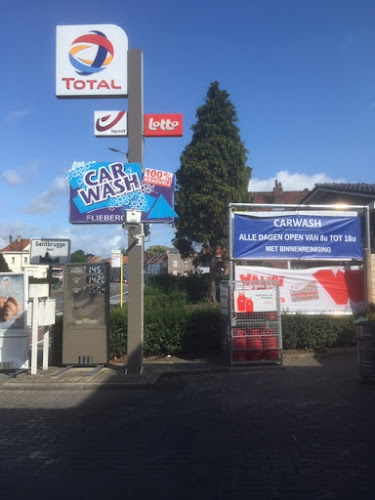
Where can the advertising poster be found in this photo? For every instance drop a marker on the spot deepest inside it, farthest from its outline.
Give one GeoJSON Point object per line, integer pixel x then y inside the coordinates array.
{"type": "Point", "coordinates": [315, 290]}
{"type": "Point", "coordinates": [100, 193]}
{"type": "Point", "coordinates": [12, 303]}
{"type": "Point", "coordinates": [255, 300]}
{"type": "Point", "coordinates": [302, 236]}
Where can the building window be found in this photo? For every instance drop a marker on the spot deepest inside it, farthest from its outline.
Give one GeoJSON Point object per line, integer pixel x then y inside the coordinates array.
{"type": "Point", "coordinates": [25, 260]}
{"type": "Point", "coordinates": [13, 260]}
{"type": "Point", "coordinates": [175, 263]}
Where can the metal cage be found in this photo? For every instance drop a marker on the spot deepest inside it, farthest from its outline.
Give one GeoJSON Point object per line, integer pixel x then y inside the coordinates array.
{"type": "Point", "coordinates": [251, 322]}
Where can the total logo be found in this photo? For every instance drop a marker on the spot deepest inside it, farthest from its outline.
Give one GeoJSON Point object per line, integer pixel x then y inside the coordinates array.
{"type": "Point", "coordinates": [91, 53]}
{"type": "Point", "coordinates": [83, 52]}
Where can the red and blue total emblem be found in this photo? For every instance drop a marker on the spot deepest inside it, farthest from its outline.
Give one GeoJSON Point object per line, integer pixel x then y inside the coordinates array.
{"type": "Point", "coordinates": [91, 53]}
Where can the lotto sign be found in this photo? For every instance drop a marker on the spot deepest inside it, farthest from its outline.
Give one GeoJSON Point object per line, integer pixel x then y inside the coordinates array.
{"type": "Point", "coordinates": [110, 124]}
{"type": "Point", "coordinates": [100, 193]}
{"type": "Point", "coordinates": [162, 125]}
{"type": "Point", "coordinates": [91, 60]}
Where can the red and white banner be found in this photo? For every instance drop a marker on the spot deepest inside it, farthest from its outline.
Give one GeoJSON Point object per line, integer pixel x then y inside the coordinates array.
{"type": "Point", "coordinates": [163, 125]}
{"type": "Point", "coordinates": [314, 290]}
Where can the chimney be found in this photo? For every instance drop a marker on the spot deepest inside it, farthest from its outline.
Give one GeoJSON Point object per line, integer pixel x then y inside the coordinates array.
{"type": "Point", "coordinates": [18, 239]}
{"type": "Point", "coordinates": [10, 239]}
{"type": "Point", "coordinates": [278, 195]}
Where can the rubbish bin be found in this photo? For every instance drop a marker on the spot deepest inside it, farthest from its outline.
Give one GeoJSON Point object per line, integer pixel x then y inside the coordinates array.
{"type": "Point", "coordinates": [366, 349]}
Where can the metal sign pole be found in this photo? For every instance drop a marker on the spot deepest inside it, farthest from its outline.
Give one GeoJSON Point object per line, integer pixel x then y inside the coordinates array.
{"type": "Point", "coordinates": [34, 336]}
{"type": "Point", "coordinates": [135, 237]}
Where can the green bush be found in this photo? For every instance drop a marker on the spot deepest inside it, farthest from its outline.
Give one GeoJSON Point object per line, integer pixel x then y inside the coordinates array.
{"type": "Point", "coordinates": [165, 323]}
{"type": "Point", "coordinates": [118, 331]}
{"type": "Point", "coordinates": [203, 335]}
{"type": "Point", "coordinates": [171, 326]}
{"type": "Point", "coordinates": [164, 283]}
{"type": "Point", "coordinates": [318, 331]}
{"type": "Point", "coordinates": [195, 286]}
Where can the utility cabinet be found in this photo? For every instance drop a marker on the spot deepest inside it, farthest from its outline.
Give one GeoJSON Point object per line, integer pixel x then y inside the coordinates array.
{"type": "Point", "coordinates": [86, 314]}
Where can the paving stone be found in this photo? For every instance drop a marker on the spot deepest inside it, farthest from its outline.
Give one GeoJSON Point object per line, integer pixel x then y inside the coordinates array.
{"type": "Point", "coordinates": [303, 431]}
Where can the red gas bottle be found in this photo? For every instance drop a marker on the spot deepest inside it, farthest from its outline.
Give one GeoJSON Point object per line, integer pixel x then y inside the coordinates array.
{"type": "Point", "coordinates": [241, 302]}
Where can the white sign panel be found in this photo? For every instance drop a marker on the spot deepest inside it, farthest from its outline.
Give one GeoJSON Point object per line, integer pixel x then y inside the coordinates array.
{"type": "Point", "coordinates": [91, 60]}
{"type": "Point", "coordinates": [48, 252]}
{"type": "Point", "coordinates": [110, 124]}
{"type": "Point", "coordinates": [116, 258]}
{"type": "Point", "coordinates": [255, 300]}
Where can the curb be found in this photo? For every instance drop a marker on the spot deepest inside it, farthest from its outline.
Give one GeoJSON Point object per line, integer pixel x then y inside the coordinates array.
{"type": "Point", "coordinates": [150, 380]}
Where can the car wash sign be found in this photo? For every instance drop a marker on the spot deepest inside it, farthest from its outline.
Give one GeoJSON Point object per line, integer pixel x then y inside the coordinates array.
{"type": "Point", "coordinates": [303, 236]}
{"type": "Point", "coordinates": [100, 193]}
{"type": "Point", "coordinates": [91, 60]}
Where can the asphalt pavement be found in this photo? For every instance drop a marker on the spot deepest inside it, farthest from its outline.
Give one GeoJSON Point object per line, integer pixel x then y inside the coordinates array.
{"type": "Point", "coordinates": [197, 430]}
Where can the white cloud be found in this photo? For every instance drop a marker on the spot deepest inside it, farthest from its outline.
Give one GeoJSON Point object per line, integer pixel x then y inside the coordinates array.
{"type": "Point", "coordinates": [45, 203]}
{"type": "Point", "coordinates": [15, 115]}
{"type": "Point", "coordinates": [291, 182]}
{"type": "Point", "coordinates": [12, 177]}
{"type": "Point", "coordinates": [34, 166]}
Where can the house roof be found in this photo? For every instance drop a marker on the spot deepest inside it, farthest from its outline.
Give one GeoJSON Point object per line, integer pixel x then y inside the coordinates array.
{"type": "Point", "coordinates": [360, 193]}
{"type": "Point", "coordinates": [278, 196]}
{"type": "Point", "coordinates": [18, 245]}
{"type": "Point", "coordinates": [288, 197]}
{"type": "Point", "coordinates": [95, 260]}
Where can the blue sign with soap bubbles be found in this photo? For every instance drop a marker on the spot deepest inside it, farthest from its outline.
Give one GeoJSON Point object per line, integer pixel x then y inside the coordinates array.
{"type": "Point", "coordinates": [100, 193]}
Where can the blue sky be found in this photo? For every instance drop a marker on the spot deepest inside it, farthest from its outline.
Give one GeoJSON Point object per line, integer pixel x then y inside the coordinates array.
{"type": "Point", "coordinates": [301, 74]}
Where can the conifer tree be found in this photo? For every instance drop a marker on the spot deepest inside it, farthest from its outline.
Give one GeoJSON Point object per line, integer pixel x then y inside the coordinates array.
{"type": "Point", "coordinates": [4, 268]}
{"type": "Point", "coordinates": [212, 174]}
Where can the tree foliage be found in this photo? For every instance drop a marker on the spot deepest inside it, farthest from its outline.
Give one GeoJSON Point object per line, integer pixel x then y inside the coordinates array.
{"type": "Point", "coordinates": [78, 256]}
{"type": "Point", "coordinates": [155, 250]}
{"type": "Point", "coordinates": [4, 268]}
{"type": "Point", "coordinates": [212, 174]}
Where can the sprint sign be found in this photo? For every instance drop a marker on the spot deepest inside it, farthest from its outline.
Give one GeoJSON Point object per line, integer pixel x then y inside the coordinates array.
{"type": "Point", "coordinates": [162, 125]}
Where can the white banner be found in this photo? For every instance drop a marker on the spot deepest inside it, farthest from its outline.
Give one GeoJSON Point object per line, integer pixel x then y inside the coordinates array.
{"type": "Point", "coordinates": [314, 290]}
{"type": "Point", "coordinates": [116, 258]}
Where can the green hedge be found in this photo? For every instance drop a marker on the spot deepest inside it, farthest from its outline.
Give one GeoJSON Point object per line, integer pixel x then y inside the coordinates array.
{"type": "Point", "coordinates": [318, 331]}
{"type": "Point", "coordinates": [195, 286]}
{"type": "Point", "coordinates": [172, 326]}
{"type": "Point", "coordinates": [118, 328]}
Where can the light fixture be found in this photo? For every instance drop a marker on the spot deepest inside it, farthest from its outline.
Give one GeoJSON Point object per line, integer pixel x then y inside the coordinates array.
{"type": "Point", "coordinates": [118, 151]}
